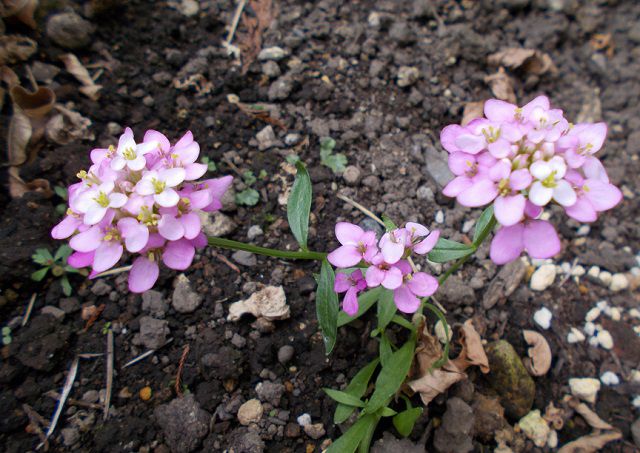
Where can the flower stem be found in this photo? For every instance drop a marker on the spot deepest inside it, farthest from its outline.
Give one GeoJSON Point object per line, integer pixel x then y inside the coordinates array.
{"type": "Point", "coordinates": [235, 245]}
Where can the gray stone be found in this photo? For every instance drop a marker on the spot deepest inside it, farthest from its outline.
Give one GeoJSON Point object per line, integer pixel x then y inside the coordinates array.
{"type": "Point", "coordinates": [153, 303]}
{"type": "Point", "coordinates": [504, 284]}
{"type": "Point", "coordinates": [254, 232]}
{"type": "Point", "coordinates": [91, 396]}
{"type": "Point", "coordinates": [197, 65]}
{"type": "Point", "coordinates": [238, 341]}
{"type": "Point", "coordinates": [153, 332]}
{"type": "Point", "coordinates": [53, 311]}
{"type": "Point", "coordinates": [246, 441]}
{"type": "Point", "coordinates": [437, 165]}
{"type": "Point", "coordinates": [185, 299]}
{"type": "Point", "coordinates": [351, 175]}
{"type": "Point", "coordinates": [456, 290]}
{"type": "Point", "coordinates": [266, 138]}
{"type": "Point", "coordinates": [280, 89]}
{"type": "Point", "coordinates": [272, 53]}
{"type": "Point", "coordinates": [70, 436]}
{"type": "Point", "coordinates": [183, 423]}
{"type": "Point", "coordinates": [44, 72]}
{"type": "Point", "coordinates": [454, 435]}
{"type": "Point", "coordinates": [401, 33]}
{"type": "Point", "coordinates": [245, 258]}
{"type": "Point", "coordinates": [315, 430]}
{"type": "Point", "coordinates": [634, 33]}
{"type": "Point", "coordinates": [271, 69]}
{"type": "Point", "coordinates": [216, 223]}
{"type": "Point", "coordinates": [69, 30]}
{"type": "Point", "coordinates": [390, 444]}
{"type": "Point", "coordinates": [635, 432]}
{"type": "Point", "coordinates": [100, 288]}
{"type": "Point", "coordinates": [270, 392]}
{"type": "Point", "coordinates": [285, 354]}
{"type": "Point", "coordinates": [407, 76]}
{"type": "Point", "coordinates": [425, 193]}
{"type": "Point", "coordinates": [368, 224]}
{"type": "Point", "coordinates": [70, 304]}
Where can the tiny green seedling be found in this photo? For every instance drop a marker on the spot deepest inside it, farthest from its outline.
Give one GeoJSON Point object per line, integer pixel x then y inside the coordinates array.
{"type": "Point", "coordinates": [211, 165]}
{"type": "Point", "coordinates": [6, 336]}
{"type": "Point", "coordinates": [106, 327]}
{"type": "Point", "coordinates": [64, 194]}
{"type": "Point", "coordinates": [249, 196]}
{"type": "Point", "coordinates": [335, 161]}
{"type": "Point", "coordinates": [292, 159]}
{"type": "Point", "coordinates": [58, 266]}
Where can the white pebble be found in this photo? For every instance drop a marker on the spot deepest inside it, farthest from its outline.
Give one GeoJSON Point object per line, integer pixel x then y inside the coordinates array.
{"type": "Point", "coordinates": [537, 262]}
{"type": "Point", "coordinates": [602, 304]}
{"type": "Point", "coordinates": [583, 230]}
{"type": "Point", "coordinates": [635, 271]}
{"type": "Point", "coordinates": [552, 440]}
{"type": "Point", "coordinates": [593, 341]}
{"type": "Point", "coordinates": [304, 420]}
{"type": "Point", "coordinates": [439, 217]}
{"type": "Point", "coordinates": [578, 271]}
{"type": "Point", "coordinates": [634, 312]}
{"type": "Point", "coordinates": [636, 329]}
{"type": "Point", "coordinates": [592, 314]}
{"type": "Point", "coordinates": [565, 267]}
{"type": "Point", "coordinates": [585, 388]}
{"type": "Point", "coordinates": [615, 313]}
{"type": "Point", "coordinates": [605, 277]}
{"type": "Point", "coordinates": [610, 378]}
{"type": "Point", "coordinates": [589, 328]}
{"type": "Point", "coordinates": [605, 339]}
{"type": "Point", "coordinates": [593, 271]}
{"type": "Point", "coordinates": [635, 376]}
{"type": "Point", "coordinates": [466, 227]}
{"type": "Point", "coordinates": [543, 318]}
{"type": "Point", "coordinates": [619, 282]}
{"type": "Point", "coordinates": [636, 402]}
{"type": "Point", "coordinates": [575, 336]}
{"type": "Point", "coordinates": [543, 277]}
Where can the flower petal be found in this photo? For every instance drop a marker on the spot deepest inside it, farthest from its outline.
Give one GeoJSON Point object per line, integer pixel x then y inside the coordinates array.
{"type": "Point", "coordinates": [172, 176]}
{"type": "Point", "coordinates": [564, 194]}
{"type": "Point", "coordinates": [479, 194]}
{"type": "Point", "coordinates": [422, 284]}
{"type": "Point", "coordinates": [143, 275]}
{"type": "Point", "coordinates": [456, 186]}
{"type": "Point", "coordinates": [345, 256]}
{"type": "Point", "coordinates": [159, 138]}
{"type": "Point", "coordinates": [178, 255]}
{"type": "Point", "coordinates": [348, 233]}
{"type": "Point", "coordinates": [87, 241]}
{"type": "Point", "coordinates": [342, 283]}
{"type": "Point", "coordinates": [107, 255]}
{"type": "Point", "coordinates": [405, 300]}
{"type": "Point", "coordinates": [392, 278]}
{"type": "Point", "coordinates": [168, 198]}
{"type": "Point", "coordinates": [507, 244]}
{"type": "Point", "coordinates": [350, 302]}
{"type": "Point", "coordinates": [426, 245]}
{"type": "Point", "coordinates": [170, 228]}
{"type": "Point", "coordinates": [509, 210]}
{"type": "Point", "coordinates": [194, 171]}
{"type": "Point", "coordinates": [78, 260]}
{"type": "Point", "coordinates": [191, 224]}
{"type": "Point", "coordinates": [539, 194]}
{"type": "Point", "coordinates": [374, 276]}
{"type": "Point", "coordinates": [66, 227]}
{"type": "Point", "coordinates": [499, 111]}
{"type": "Point", "coordinates": [602, 195]}
{"type": "Point", "coordinates": [540, 239]}
{"type": "Point", "coordinates": [470, 143]}
{"type": "Point", "coordinates": [582, 210]}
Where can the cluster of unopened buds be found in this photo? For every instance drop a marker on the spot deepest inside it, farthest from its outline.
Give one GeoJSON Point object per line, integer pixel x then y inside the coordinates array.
{"type": "Point", "coordinates": [386, 262]}
{"type": "Point", "coordinates": [522, 159]}
{"type": "Point", "coordinates": [142, 198]}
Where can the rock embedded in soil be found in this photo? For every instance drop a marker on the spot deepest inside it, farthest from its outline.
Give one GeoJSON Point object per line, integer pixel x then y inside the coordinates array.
{"type": "Point", "coordinates": [535, 428]}
{"type": "Point", "coordinates": [183, 423]}
{"type": "Point", "coordinates": [407, 76]}
{"type": "Point", "coordinates": [509, 379]}
{"type": "Point", "coordinates": [351, 175]}
{"type": "Point", "coordinates": [270, 392]}
{"type": "Point", "coordinates": [543, 318]}
{"type": "Point", "coordinates": [543, 277]}
{"type": "Point", "coordinates": [456, 290]}
{"type": "Point", "coordinates": [245, 440]}
{"type": "Point", "coordinates": [38, 345]}
{"type": "Point", "coordinates": [53, 311]}
{"type": "Point", "coordinates": [585, 388]}
{"type": "Point", "coordinates": [280, 89]}
{"type": "Point", "coordinates": [244, 258]}
{"type": "Point", "coordinates": [635, 432]}
{"type": "Point", "coordinates": [269, 303]}
{"type": "Point", "coordinates": [70, 436]}
{"type": "Point", "coordinates": [69, 30]}
{"type": "Point", "coordinates": [250, 412]}
{"type": "Point", "coordinates": [272, 53]}
{"type": "Point", "coordinates": [153, 332]}
{"type": "Point", "coordinates": [285, 354]}
{"type": "Point", "coordinates": [390, 444]}
{"type": "Point", "coordinates": [504, 284]}
{"type": "Point", "coordinates": [153, 303]}
{"type": "Point", "coordinates": [314, 430]}
{"type": "Point", "coordinates": [216, 223]}
{"type": "Point", "coordinates": [489, 417]}
{"type": "Point", "coordinates": [454, 435]}
{"type": "Point", "coordinates": [100, 288]}
{"type": "Point", "coordinates": [185, 299]}
{"type": "Point", "coordinates": [69, 305]}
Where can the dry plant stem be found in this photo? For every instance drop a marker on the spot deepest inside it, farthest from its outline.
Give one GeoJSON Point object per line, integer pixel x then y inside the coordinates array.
{"type": "Point", "coordinates": [235, 21]}
{"type": "Point", "coordinates": [73, 402]}
{"type": "Point", "coordinates": [107, 397]}
{"type": "Point", "coordinates": [68, 385]}
{"type": "Point", "coordinates": [27, 313]}
{"type": "Point", "coordinates": [143, 356]}
{"type": "Point", "coordinates": [183, 359]}
{"type": "Point", "coordinates": [117, 270]}
{"type": "Point", "coordinates": [36, 421]}
{"type": "Point", "coordinates": [361, 208]}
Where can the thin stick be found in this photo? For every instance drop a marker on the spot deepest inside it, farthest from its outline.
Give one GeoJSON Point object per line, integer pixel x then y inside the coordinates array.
{"type": "Point", "coordinates": [226, 261]}
{"type": "Point", "coordinates": [36, 420]}
{"type": "Point", "coordinates": [143, 356]}
{"type": "Point", "coordinates": [183, 359]}
{"type": "Point", "coordinates": [117, 270]}
{"type": "Point", "coordinates": [68, 385]}
{"type": "Point", "coordinates": [73, 402]}
{"type": "Point", "coordinates": [235, 21]}
{"type": "Point", "coordinates": [358, 206]}
{"type": "Point", "coordinates": [107, 397]}
{"type": "Point", "coordinates": [27, 313]}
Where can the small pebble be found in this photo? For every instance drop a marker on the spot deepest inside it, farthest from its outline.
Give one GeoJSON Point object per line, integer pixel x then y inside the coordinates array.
{"type": "Point", "coordinates": [439, 217]}
{"type": "Point", "coordinates": [575, 336]}
{"type": "Point", "coordinates": [543, 317]}
{"type": "Point", "coordinates": [605, 277]}
{"type": "Point", "coordinates": [250, 412]}
{"type": "Point", "coordinates": [635, 313]}
{"type": "Point", "coordinates": [589, 328]}
{"type": "Point", "coordinates": [585, 388]}
{"type": "Point", "coordinates": [315, 430]}
{"type": "Point", "coordinates": [593, 272]}
{"type": "Point", "coordinates": [609, 378]}
{"type": "Point", "coordinates": [636, 402]}
{"type": "Point", "coordinates": [583, 230]}
{"type": "Point", "coordinates": [285, 353]}
{"type": "Point", "coordinates": [615, 313]}
{"type": "Point", "coordinates": [604, 339]}
{"type": "Point", "coordinates": [578, 271]}
{"type": "Point", "coordinates": [304, 420]}
{"type": "Point", "coordinates": [543, 277]}
{"type": "Point", "coordinates": [145, 393]}
{"type": "Point", "coordinates": [619, 282]}
{"type": "Point", "coordinates": [592, 314]}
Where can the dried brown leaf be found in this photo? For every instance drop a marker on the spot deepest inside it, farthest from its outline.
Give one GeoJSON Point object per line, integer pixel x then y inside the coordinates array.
{"type": "Point", "coordinates": [22, 10]}
{"type": "Point", "coordinates": [35, 104]}
{"type": "Point", "coordinates": [472, 110]}
{"type": "Point", "coordinates": [76, 69]}
{"type": "Point", "coordinates": [8, 76]}
{"type": "Point", "coordinates": [18, 137]}
{"type": "Point", "coordinates": [250, 40]}
{"type": "Point", "coordinates": [539, 360]}
{"type": "Point", "coordinates": [15, 48]}
{"type": "Point", "coordinates": [554, 416]}
{"type": "Point", "coordinates": [590, 443]}
{"type": "Point", "coordinates": [67, 126]}
{"type": "Point", "coordinates": [18, 187]}
{"type": "Point", "coordinates": [472, 350]}
{"type": "Point", "coordinates": [589, 416]}
{"type": "Point", "coordinates": [530, 61]}
{"type": "Point", "coordinates": [501, 85]}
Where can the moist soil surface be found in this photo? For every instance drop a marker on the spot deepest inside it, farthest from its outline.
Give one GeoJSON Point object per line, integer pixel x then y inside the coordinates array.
{"type": "Point", "coordinates": [338, 77]}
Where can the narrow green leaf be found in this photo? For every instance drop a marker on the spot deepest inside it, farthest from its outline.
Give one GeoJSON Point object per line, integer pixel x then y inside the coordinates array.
{"type": "Point", "coordinates": [405, 420]}
{"type": "Point", "coordinates": [484, 222]}
{"type": "Point", "coordinates": [344, 398]}
{"type": "Point", "coordinates": [388, 223]}
{"type": "Point", "coordinates": [63, 252]}
{"type": "Point", "coordinates": [365, 443]}
{"type": "Point", "coordinates": [365, 302]}
{"type": "Point", "coordinates": [446, 250]}
{"type": "Point", "coordinates": [40, 274]}
{"type": "Point", "coordinates": [349, 441]}
{"type": "Point", "coordinates": [299, 205]}
{"type": "Point", "coordinates": [61, 192]}
{"type": "Point", "coordinates": [387, 412]}
{"type": "Point", "coordinates": [357, 387]}
{"type": "Point", "coordinates": [392, 376]}
{"type": "Point", "coordinates": [248, 197]}
{"type": "Point", "coordinates": [403, 322]}
{"type": "Point", "coordinates": [327, 306]}
{"type": "Point", "coordinates": [42, 256]}
{"type": "Point", "coordinates": [385, 350]}
{"type": "Point", "coordinates": [66, 286]}
{"type": "Point", "coordinates": [386, 308]}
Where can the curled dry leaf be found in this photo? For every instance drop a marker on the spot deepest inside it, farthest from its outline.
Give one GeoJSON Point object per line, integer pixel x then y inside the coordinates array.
{"type": "Point", "coordinates": [472, 110]}
{"type": "Point", "coordinates": [21, 10]}
{"type": "Point", "coordinates": [8, 76]}
{"type": "Point", "coordinates": [589, 416]}
{"type": "Point", "coordinates": [530, 61]}
{"type": "Point", "coordinates": [14, 48]}
{"type": "Point", "coordinates": [270, 303]}
{"type": "Point", "coordinates": [250, 40]}
{"type": "Point", "coordinates": [76, 69]}
{"type": "Point", "coordinates": [268, 113]}
{"type": "Point", "coordinates": [431, 383]}
{"type": "Point", "coordinates": [67, 126]}
{"type": "Point", "coordinates": [501, 85]}
{"type": "Point", "coordinates": [18, 137]}
{"type": "Point", "coordinates": [35, 104]}
{"type": "Point", "coordinates": [554, 416]}
{"type": "Point", "coordinates": [539, 360]}
{"type": "Point", "coordinates": [18, 187]}
{"type": "Point", "coordinates": [591, 443]}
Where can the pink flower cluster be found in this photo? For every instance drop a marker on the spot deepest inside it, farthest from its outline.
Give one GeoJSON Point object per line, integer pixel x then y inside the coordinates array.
{"type": "Point", "coordinates": [522, 159]}
{"type": "Point", "coordinates": [142, 197]}
{"type": "Point", "coordinates": [385, 262]}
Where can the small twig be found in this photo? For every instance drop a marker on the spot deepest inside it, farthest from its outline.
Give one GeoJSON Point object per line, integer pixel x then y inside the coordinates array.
{"type": "Point", "coordinates": [90, 355]}
{"type": "Point", "coordinates": [185, 352]}
{"type": "Point", "coordinates": [32, 79]}
{"type": "Point", "coordinates": [35, 421]}
{"type": "Point", "coordinates": [73, 402]}
{"type": "Point", "coordinates": [233, 167]}
{"type": "Point", "coordinates": [361, 208]}
{"type": "Point", "coordinates": [226, 261]}
{"type": "Point", "coordinates": [27, 313]}
{"type": "Point", "coordinates": [117, 270]}
{"type": "Point", "coordinates": [438, 304]}
{"type": "Point", "coordinates": [235, 21]}
{"type": "Point", "coordinates": [94, 317]}
{"type": "Point", "coordinates": [68, 385]}
{"type": "Point", "coordinates": [107, 397]}
{"type": "Point", "coordinates": [143, 356]}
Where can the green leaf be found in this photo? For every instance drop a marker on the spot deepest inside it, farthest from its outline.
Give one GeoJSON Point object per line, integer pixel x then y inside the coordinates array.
{"type": "Point", "coordinates": [403, 322]}
{"type": "Point", "coordinates": [387, 412]}
{"type": "Point", "coordinates": [42, 256]}
{"type": "Point", "coordinates": [365, 443]}
{"type": "Point", "coordinates": [446, 250]}
{"type": "Point", "coordinates": [405, 420]}
{"type": "Point", "coordinates": [63, 253]}
{"type": "Point", "coordinates": [249, 177]}
{"type": "Point", "coordinates": [484, 222]}
{"type": "Point", "coordinates": [248, 197]}
{"type": "Point", "coordinates": [365, 302]}
{"type": "Point", "coordinates": [292, 159]}
{"type": "Point", "coordinates": [6, 331]}
{"type": "Point", "coordinates": [299, 206]}
{"type": "Point", "coordinates": [263, 174]}
{"type": "Point", "coordinates": [344, 398]}
{"type": "Point", "coordinates": [388, 223]}
{"type": "Point", "coordinates": [349, 441]}
{"type": "Point", "coordinates": [327, 306]}
{"type": "Point", "coordinates": [392, 376]}
{"type": "Point", "coordinates": [357, 387]}
{"type": "Point", "coordinates": [336, 162]}
{"type": "Point", "coordinates": [66, 286]}
{"type": "Point", "coordinates": [327, 144]}
{"type": "Point", "coordinates": [40, 274]}
{"type": "Point", "coordinates": [61, 192]}
{"type": "Point", "coordinates": [386, 351]}
{"type": "Point", "coordinates": [386, 309]}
